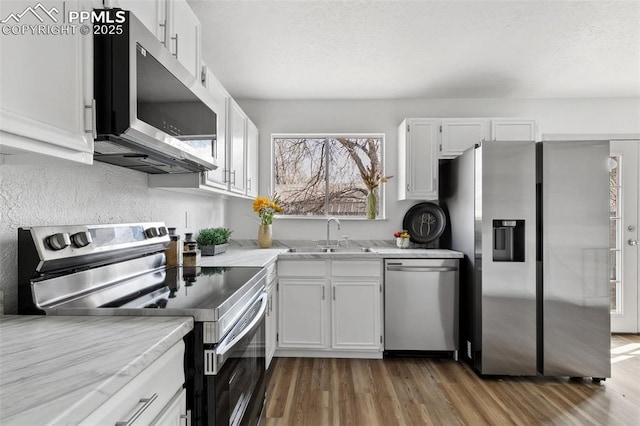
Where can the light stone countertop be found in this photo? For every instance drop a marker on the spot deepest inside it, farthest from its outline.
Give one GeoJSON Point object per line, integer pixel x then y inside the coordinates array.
{"type": "Point", "coordinates": [243, 257]}
{"type": "Point", "coordinates": [58, 370]}
{"type": "Point", "coordinates": [263, 257]}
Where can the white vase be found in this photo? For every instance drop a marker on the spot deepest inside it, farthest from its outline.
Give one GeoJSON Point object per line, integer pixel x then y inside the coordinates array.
{"type": "Point", "coordinates": [402, 242]}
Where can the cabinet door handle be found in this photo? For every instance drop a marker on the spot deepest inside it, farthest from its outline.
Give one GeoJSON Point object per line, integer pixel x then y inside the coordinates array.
{"type": "Point", "coordinates": [334, 293]}
{"type": "Point", "coordinates": [163, 25]}
{"type": "Point", "coordinates": [92, 130]}
{"type": "Point", "coordinates": [224, 175]}
{"type": "Point", "coordinates": [249, 183]}
{"type": "Point", "coordinates": [146, 403]}
{"type": "Point", "coordinates": [176, 40]}
{"type": "Point", "coordinates": [203, 76]}
{"type": "Point", "coordinates": [322, 292]}
{"type": "Point", "coordinates": [233, 182]}
{"type": "Point", "coordinates": [186, 418]}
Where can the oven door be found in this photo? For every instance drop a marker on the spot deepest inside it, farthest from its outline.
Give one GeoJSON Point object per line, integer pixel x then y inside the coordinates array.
{"type": "Point", "coordinates": [235, 370]}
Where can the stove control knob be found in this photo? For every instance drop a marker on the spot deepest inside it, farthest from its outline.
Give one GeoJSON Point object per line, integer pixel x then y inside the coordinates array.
{"type": "Point", "coordinates": [81, 239]}
{"type": "Point", "coordinates": [58, 241]}
{"type": "Point", "coordinates": [163, 231]}
{"type": "Point", "coordinates": [151, 232]}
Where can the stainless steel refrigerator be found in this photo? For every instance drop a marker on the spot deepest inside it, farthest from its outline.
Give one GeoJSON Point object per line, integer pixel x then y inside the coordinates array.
{"type": "Point", "coordinates": [533, 223]}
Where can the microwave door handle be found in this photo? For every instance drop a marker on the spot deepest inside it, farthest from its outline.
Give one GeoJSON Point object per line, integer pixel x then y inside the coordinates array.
{"type": "Point", "coordinates": [227, 346]}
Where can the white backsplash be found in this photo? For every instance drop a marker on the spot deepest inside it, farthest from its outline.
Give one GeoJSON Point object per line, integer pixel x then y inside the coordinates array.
{"type": "Point", "coordinates": [78, 194]}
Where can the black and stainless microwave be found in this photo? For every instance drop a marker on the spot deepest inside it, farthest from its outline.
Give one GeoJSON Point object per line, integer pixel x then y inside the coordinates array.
{"type": "Point", "coordinates": [152, 115]}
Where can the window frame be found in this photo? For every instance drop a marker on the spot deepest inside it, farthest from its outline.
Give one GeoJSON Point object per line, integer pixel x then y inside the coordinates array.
{"type": "Point", "coordinates": [381, 189]}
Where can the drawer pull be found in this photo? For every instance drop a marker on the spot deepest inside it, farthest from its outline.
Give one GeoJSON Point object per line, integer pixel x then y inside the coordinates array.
{"type": "Point", "coordinates": [146, 403]}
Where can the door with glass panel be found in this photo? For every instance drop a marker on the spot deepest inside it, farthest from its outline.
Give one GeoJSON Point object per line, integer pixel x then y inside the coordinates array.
{"type": "Point", "coordinates": [625, 219]}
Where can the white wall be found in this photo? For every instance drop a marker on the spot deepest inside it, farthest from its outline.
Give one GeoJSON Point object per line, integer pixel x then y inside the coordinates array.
{"type": "Point", "coordinates": [78, 194]}
{"type": "Point", "coordinates": [555, 116]}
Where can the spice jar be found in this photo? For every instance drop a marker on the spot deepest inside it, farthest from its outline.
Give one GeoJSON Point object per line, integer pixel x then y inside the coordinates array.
{"type": "Point", "coordinates": [174, 251]}
{"type": "Point", "coordinates": [188, 239]}
{"type": "Point", "coordinates": [191, 257]}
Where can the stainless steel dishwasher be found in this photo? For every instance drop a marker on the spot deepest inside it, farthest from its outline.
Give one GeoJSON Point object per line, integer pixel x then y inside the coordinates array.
{"type": "Point", "coordinates": [421, 305]}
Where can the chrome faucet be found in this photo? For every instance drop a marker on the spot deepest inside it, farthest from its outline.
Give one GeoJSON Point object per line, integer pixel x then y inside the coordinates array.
{"type": "Point", "coordinates": [331, 219]}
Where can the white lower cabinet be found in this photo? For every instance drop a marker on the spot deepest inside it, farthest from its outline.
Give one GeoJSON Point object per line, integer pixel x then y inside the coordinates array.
{"type": "Point", "coordinates": [175, 412]}
{"type": "Point", "coordinates": [355, 314]}
{"type": "Point", "coordinates": [302, 313]}
{"type": "Point", "coordinates": [155, 396]}
{"type": "Point", "coordinates": [324, 314]}
{"type": "Point", "coordinates": [271, 320]}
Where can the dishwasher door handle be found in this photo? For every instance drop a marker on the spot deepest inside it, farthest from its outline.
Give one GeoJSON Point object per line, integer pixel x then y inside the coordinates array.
{"type": "Point", "coordinates": [422, 268]}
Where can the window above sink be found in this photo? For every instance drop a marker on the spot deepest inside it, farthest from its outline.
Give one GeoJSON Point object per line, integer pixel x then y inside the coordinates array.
{"type": "Point", "coordinates": [321, 175]}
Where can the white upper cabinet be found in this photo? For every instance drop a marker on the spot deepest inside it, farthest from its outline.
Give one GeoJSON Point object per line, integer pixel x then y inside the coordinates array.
{"type": "Point", "coordinates": [459, 135]}
{"type": "Point", "coordinates": [252, 159]}
{"type": "Point", "coordinates": [237, 133]}
{"type": "Point", "coordinates": [184, 35]}
{"type": "Point", "coordinates": [508, 129]}
{"type": "Point", "coordinates": [174, 24]}
{"type": "Point", "coordinates": [46, 106]}
{"type": "Point", "coordinates": [152, 13]}
{"type": "Point", "coordinates": [218, 177]}
{"type": "Point", "coordinates": [418, 145]}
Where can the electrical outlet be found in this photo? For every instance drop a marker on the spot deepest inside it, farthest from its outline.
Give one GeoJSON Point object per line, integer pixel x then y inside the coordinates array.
{"type": "Point", "coordinates": [469, 354]}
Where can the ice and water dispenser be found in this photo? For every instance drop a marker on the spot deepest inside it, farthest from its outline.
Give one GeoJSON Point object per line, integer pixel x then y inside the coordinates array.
{"type": "Point", "coordinates": [508, 240]}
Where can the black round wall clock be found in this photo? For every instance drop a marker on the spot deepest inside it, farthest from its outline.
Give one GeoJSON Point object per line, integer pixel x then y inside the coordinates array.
{"type": "Point", "coordinates": [425, 222]}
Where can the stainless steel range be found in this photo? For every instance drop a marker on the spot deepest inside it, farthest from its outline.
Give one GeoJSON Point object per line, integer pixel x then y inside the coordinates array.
{"type": "Point", "coordinates": [121, 270]}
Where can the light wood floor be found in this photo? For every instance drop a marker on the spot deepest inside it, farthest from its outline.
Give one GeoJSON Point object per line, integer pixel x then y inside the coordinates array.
{"type": "Point", "coordinates": [425, 391]}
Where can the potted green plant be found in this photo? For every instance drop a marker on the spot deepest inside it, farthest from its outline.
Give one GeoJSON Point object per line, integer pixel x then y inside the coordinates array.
{"type": "Point", "coordinates": [212, 241]}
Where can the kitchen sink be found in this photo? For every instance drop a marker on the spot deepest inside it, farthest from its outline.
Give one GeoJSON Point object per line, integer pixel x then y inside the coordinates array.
{"type": "Point", "coordinates": [309, 250]}
{"type": "Point", "coordinates": [330, 250]}
{"type": "Point", "coordinates": [350, 250]}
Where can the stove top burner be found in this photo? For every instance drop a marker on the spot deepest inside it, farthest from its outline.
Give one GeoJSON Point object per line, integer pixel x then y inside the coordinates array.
{"type": "Point", "coordinates": [123, 272]}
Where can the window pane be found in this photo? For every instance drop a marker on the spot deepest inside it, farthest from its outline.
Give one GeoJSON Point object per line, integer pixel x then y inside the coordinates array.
{"type": "Point", "coordinates": [614, 297]}
{"type": "Point", "coordinates": [613, 265]}
{"type": "Point", "coordinates": [329, 176]}
{"type": "Point", "coordinates": [354, 167]}
{"type": "Point", "coordinates": [615, 234]}
{"type": "Point", "coordinates": [299, 175]}
{"type": "Point", "coordinates": [614, 186]}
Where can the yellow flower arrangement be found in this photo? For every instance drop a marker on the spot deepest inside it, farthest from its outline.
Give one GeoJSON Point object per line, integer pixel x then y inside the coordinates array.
{"type": "Point", "coordinates": [266, 207]}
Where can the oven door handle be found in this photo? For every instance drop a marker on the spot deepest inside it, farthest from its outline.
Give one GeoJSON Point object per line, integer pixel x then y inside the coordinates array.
{"type": "Point", "coordinates": [227, 346]}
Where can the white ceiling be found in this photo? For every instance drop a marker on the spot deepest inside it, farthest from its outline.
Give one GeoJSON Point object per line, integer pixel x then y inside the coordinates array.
{"type": "Point", "coordinates": [422, 49]}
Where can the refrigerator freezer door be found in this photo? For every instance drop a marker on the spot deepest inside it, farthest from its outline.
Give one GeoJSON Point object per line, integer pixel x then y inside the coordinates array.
{"type": "Point", "coordinates": [508, 314]}
{"type": "Point", "coordinates": [575, 255]}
